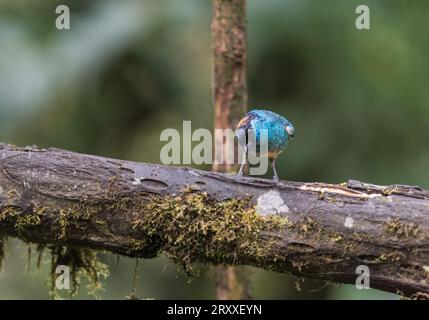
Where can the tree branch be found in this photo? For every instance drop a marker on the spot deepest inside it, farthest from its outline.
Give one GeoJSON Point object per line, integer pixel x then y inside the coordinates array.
{"type": "Point", "coordinates": [309, 229]}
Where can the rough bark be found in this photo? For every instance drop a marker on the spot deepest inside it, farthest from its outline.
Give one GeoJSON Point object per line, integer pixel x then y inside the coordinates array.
{"type": "Point", "coordinates": [230, 104]}
{"type": "Point", "coordinates": [229, 66]}
{"type": "Point", "coordinates": [309, 229]}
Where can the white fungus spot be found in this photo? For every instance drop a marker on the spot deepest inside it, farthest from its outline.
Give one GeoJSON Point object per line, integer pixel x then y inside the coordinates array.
{"type": "Point", "coordinates": [348, 222]}
{"type": "Point", "coordinates": [1, 190]}
{"type": "Point", "coordinates": [271, 203]}
{"type": "Point", "coordinates": [426, 268]}
{"type": "Point", "coordinates": [137, 181]}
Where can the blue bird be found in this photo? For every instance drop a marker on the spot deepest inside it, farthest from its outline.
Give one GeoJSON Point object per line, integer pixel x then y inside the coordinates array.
{"type": "Point", "coordinates": [279, 131]}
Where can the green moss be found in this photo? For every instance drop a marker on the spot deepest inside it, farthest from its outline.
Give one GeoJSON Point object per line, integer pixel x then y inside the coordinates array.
{"type": "Point", "coordinates": [188, 228]}
{"type": "Point", "coordinates": [336, 238]}
{"type": "Point", "coordinates": [392, 256]}
{"type": "Point", "coordinates": [391, 190]}
{"type": "Point", "coordinates": [137, 245]}
{"type": "Point", "coordinates": [192, 227]}
{"type": "Point", "coordinates": [309, 225]}
{"type": "Point", "coordinates": [23, 221]}
{"type": "Point", "coordinates": [63, 221]}
{"type": "Point", "coordinates": [399, 230]}
{"type": "Point", "coordinates": [287, 223]}
{"type": "Point", "coordinates": [85, 267]}
{"type": "Point", "coordinates": [73, 215]}
{"type": "Point", "coordinates": [9, 211]}
{"type": "Point", "coordinates": [13, 194]}
{"type": "Point", "coordinates": [83, 263]}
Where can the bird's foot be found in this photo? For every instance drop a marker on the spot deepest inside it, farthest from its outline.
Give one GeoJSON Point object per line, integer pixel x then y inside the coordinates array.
{"type": "Point", "coordinates": [276, 180]}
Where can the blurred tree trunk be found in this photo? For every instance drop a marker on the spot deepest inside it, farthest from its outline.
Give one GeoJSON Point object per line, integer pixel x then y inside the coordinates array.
{"type": "Point", "coordinates": [230, 103]}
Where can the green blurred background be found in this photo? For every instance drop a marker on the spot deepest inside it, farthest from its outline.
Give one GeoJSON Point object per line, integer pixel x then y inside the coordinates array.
{"type": "Point", "coordinates": [129, 69]}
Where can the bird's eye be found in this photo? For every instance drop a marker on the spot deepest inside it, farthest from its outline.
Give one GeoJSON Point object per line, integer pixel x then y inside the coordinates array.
{"type": "Point", "coordinates": [290, 131]}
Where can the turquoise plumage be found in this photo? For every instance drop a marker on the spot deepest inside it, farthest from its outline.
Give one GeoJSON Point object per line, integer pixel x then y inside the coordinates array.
{"type": "Point", "coordinates": [279, 130]}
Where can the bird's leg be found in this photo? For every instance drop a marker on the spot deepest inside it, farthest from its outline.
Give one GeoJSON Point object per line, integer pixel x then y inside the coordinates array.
{"type": "Point", "coordinates": [273, 164]}
{"type": "Point", "coordinates": [243, 162]}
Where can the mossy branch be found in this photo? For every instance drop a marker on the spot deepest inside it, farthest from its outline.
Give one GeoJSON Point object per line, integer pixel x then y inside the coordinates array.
{"type": "Point", "coordinates": [318, 230]}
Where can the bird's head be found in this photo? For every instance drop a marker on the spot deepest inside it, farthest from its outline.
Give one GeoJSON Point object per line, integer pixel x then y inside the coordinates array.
{"type": "Point", "coordinates": [290, 130]}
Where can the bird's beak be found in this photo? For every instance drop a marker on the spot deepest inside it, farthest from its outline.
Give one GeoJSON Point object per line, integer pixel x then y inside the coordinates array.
{"type": "Point", "coordinates": [290, 131]}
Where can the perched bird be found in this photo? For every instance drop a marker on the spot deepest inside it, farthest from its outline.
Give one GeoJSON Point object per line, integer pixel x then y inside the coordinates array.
{"type": "Point", "coordinates": [279, 131]}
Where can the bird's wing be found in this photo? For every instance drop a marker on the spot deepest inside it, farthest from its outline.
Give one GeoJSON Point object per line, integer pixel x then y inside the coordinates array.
{"type": "Point", "coordinates": [243, 122]}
